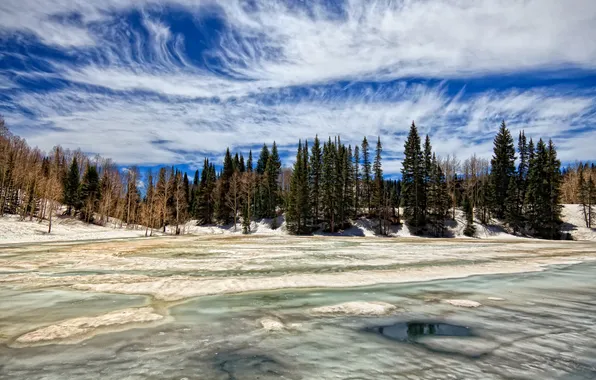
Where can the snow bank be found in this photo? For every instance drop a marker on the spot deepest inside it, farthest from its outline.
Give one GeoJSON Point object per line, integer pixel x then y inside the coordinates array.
{"type": "Point", "coordinates": [356, 308]}
{"type": "Point", "coordinates": [85, 326]}
{"type": "Point", "coordinates": [13, 230]}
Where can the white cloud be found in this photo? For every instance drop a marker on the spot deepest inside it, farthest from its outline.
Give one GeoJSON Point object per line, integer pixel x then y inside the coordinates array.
{"type": "Point", "coordinates": [276, 45]}
{"type": "Point", "coordinates": [150, 130]}
{"type": "Point", "coordinates": [270, 46]}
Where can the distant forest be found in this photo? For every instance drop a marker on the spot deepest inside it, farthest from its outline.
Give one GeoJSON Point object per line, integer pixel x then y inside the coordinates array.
{"type": "Point", "coordinates": [330, 186]}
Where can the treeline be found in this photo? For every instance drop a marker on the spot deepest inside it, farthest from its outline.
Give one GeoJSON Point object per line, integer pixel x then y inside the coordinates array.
{"type": "Point", "coordinates": [331, 185]}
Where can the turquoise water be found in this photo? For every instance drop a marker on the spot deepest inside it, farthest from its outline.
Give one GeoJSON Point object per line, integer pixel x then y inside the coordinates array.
{"type": "Point", "coordinates": [545, 328]}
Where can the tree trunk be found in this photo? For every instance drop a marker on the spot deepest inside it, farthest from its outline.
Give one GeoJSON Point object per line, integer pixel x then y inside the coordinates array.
{"type": "Point", "coordinates": [50, 224]}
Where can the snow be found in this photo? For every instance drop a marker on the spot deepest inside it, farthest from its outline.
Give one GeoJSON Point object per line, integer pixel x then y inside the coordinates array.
{"type": "Point", "coordinates": [574, 223]}
{"type": "Point", "coordinates": [463, 303]}
{"type": "Point", "coordinates": [13, 230]}
{"type": "Point", "coordinates": [85, 326]}
{"type": "Point", "coordinates": [271, 324]}
{"type": "Point", "coordinates": [496, 299]}
{"type": "Point", "coordinates": [356, 308]}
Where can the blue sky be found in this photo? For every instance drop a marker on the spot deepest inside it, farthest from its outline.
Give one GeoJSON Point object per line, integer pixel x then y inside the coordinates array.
{"type": "Point", "coordinates": [153, 82]}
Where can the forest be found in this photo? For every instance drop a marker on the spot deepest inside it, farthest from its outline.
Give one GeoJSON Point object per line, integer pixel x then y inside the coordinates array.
{"type": "Point", "coordinates": [330, 185]}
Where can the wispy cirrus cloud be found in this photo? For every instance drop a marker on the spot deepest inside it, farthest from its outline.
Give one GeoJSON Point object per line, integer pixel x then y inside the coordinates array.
{"type": "Point", "coordinates": [167, 81]}
{"type": "Point", "coordinates": [151, 130]}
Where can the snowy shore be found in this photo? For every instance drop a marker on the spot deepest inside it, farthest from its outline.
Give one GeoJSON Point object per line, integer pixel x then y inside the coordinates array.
{"type": "Point", "coordinates": [14, 230]}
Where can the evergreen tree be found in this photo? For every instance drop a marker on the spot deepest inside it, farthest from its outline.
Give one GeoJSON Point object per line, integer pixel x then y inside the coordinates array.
{"type": "Point", "coordinates": [502, 170]}
{"type": "Point", "coordinates": [427, 173]}
{"type": "Point", "coordinates": [186, 187]}
{"type": "Point", "coordinates": [522, 172]}
{"type": "Point", "coordinates": [223, 210]}
{"type": "Point", "coordinates": [378, 191]}
{"type": "Point", "coordinates": [90, 193]}
{"type": "Point", "coordinates": [437, 200]}
{"type": "Point", "coordinates": [305, 206]}
{"type": "Point", "coordinates": [249, 162]}
{"type": "Point", "coordinates": [413, 180]}
{"type": "Point", "coordinates": [542, 196]}
{"type": "Point", "coordinates": [193, 204]}
{"type": "Point", "coordinates": [242, 166]}
{"type": "Point", "coordinates": [272, 171]}
{"type": "Point", "coordinates": [72, 188]}
{"type": "Point", "coordinates": [263, 159]}
{"type": "Point", "coordinates": [236, 162]}
{"type": "Point", "coordinates": [316, 163]}
{"type": "Point", "coordinates": [205, 204]}
{"type": "Point", "coordinates": [298, 205]}
{"type": "Point", "coordinates": [366, 175]}
{"type": "Point", "coordinates": [338, 154]}
{"type": "Point", "coordinates": [356, 180]}
{"type": "Point", "coordinates": [328, 180]}
{"type": "Point", "coordinates": [348, 180]}
{"type": "Point", "coordinates": [513, 215]}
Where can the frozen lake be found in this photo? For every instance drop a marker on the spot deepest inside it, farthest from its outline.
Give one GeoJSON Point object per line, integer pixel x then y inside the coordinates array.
{"type": "Point", "coordinates": [259, 308]}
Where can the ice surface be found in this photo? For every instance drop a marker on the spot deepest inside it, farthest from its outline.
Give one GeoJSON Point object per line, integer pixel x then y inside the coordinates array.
{"type": "Point", "coordinates": [86, 326]}
{"type": "Point", "coordinates": [242, 307]}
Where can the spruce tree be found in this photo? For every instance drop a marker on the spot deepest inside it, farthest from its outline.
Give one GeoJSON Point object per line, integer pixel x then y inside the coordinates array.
{"type": "Point", "coordinates": [249, 162]}
{"type": "Point", "coordinates": [236, 162]}
{"type": "Point", "coordinates": [543, 193]}
{"type": "Point", "coordinates": [263, 159]}
{"type": "Point", "coordinates": [261, 195]}
{"type": "Point", "coordinates": [223, 210]}
{"type": "Point", "coordinates": [242, 165]}
{"type": "Point", "coordinates": [427, 172]}
{"type": "Point", "coordinates": [366, 175]}
{"type": "Point", "coordinates": [316, 163]}
{"type": "Point", "coordinates": [522, 172]}
{"type": "Point", "coordinates": [356, 181]}
{"type": "Point", "coordinates": [298, 205]}
{"type": "Point", "coordinates": [204, 207]}
{"type": "Point", "coordinates": [377, 197]}
{"type": "Point", "coordinates": [328, 180]}
{"type": "Point", "coordinates": [90, 193]}
{"type": "Point", "coordinates": [305, 188]}
{"type": "Point", "coordinates": [272, 171]}
{"type": "Point", "coordinates": [502, 170]}
{"type": "Point", "coordinates": [338, 154]}
{"type": "Point", "coordinates": [348, 173]}
{"type": "Point", "coordinates": [437, 200]}
{"type": "Point", "coordinates": [513, 215]}
{"type": "Point", "coordinates": [413, 180]}
{"type": "Point", "coordinates": [72, 188]}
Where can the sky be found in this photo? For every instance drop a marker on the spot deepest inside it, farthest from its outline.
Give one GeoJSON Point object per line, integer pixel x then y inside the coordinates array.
{"type": "Point", "coordinates": [169, 82]}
